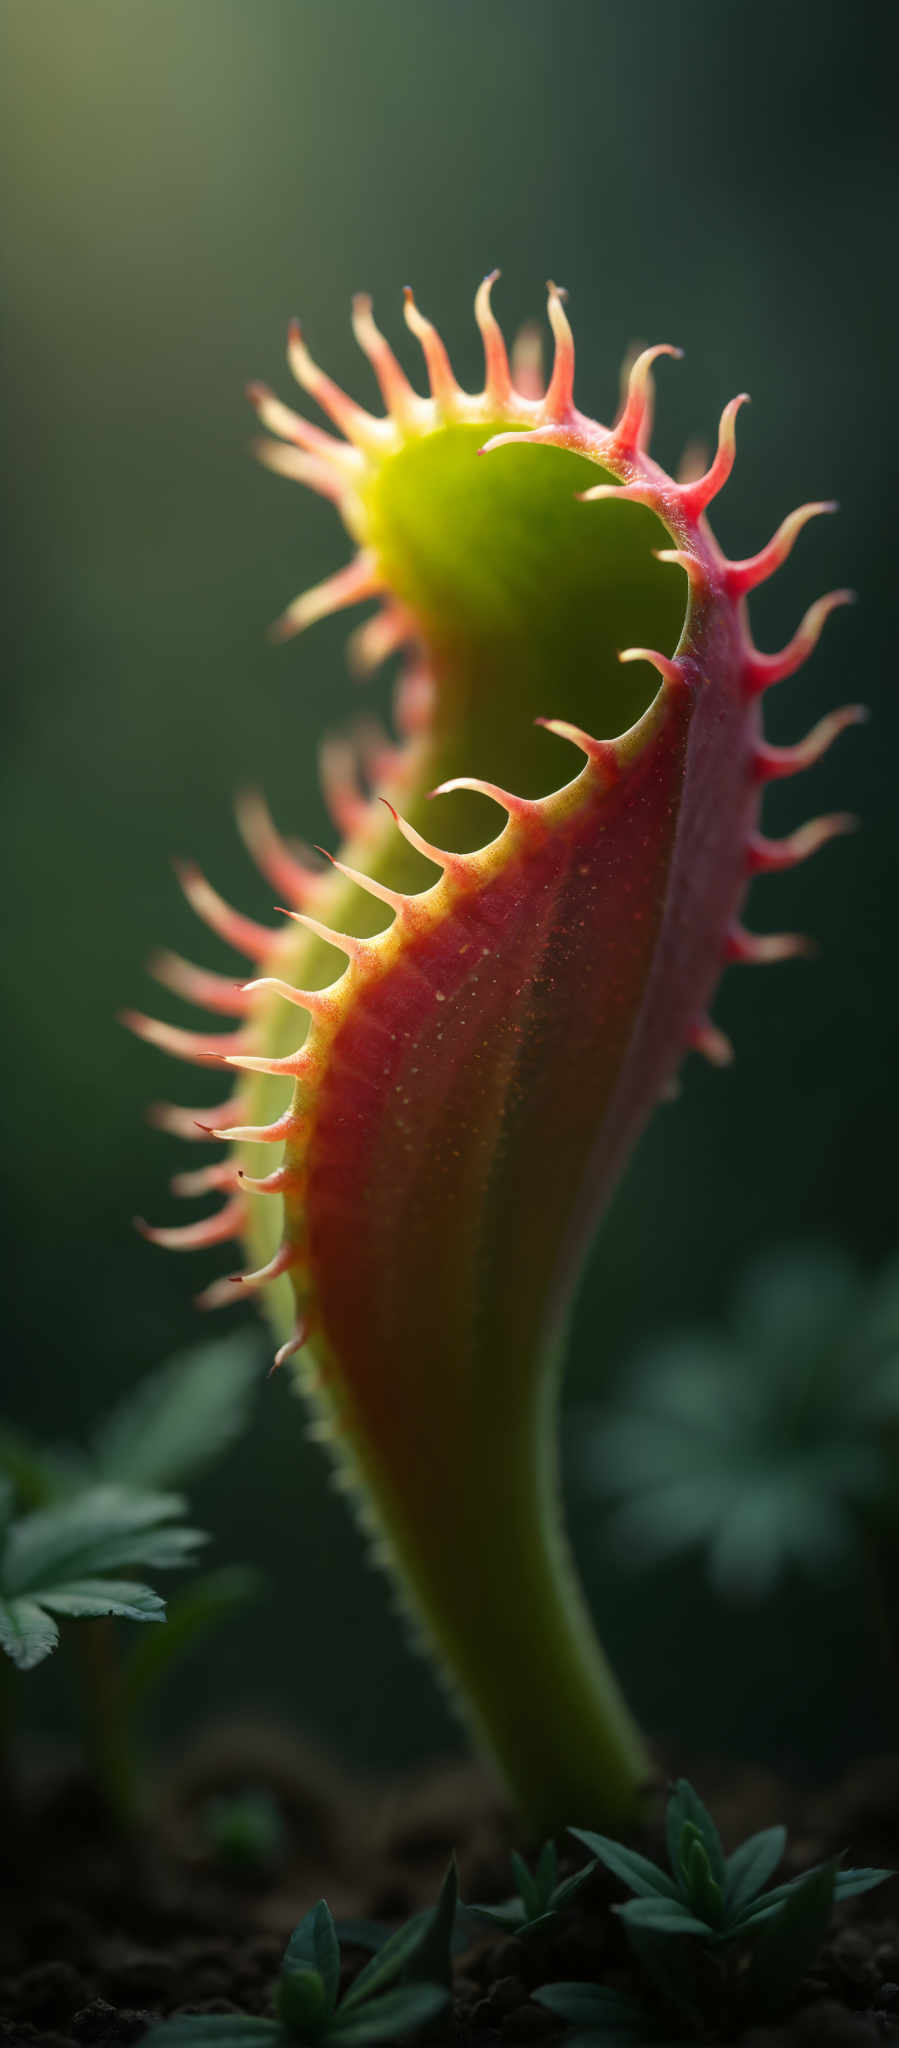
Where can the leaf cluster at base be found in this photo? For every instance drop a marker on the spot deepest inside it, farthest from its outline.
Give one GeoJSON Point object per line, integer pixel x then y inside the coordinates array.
{"type": "Point", "coordinates": [718, 1907]}
{"type": "Point", "coordinates": [405, 1984]}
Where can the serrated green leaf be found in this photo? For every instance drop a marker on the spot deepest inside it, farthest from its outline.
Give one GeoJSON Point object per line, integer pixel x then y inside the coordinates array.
{"type": "Point", "coordinates": [790, 1942]}
{"type": "Point", "coordinates": [97, 1531]}
{"type": "Point", "coordinates": [640, 1876]}
{"type": "Point", "coordinates": [685, 1806]}
{"type": "Point", "coordinates": [179, 1418]}
{"type": "Point", "coordinates": [381, 2019]}
{"type": "Point", "coordinates": [123, 1597]}
{"type": "Point", "coordinates": [226, 2030]}
{"type": "Point", "coordinates": [26, 1633]}
{"type": "Point", "coordinates": [750, 1866]}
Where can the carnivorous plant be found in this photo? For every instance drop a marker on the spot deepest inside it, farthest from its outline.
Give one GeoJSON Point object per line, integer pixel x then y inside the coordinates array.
{"type": "Point", "coordinates": [452, 1039]}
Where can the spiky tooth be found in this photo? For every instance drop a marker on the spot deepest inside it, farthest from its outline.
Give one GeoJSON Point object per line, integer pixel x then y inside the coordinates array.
{"type": "Point", "coordinates": [633, 494]}
{"type": "Point", "coordinates": [760, 949]}
{"type": "Point", "coordinates": [285, 1180]}
{"type": "Point", "coordinates": [765, 856]}
{"type": "Point", "coordinates": [316, 1001]}
{"type": "Point", "coordinates": [220, 1294]}
{"type": "Point", "coordinates": [186, 1123]}
{"type": "Point", "coordinates": [221, 1174]}
{"type": "Point", "coordinates": [694, 497]}
{"type": "Point", "coordinates": [300, 468]}
{"type": "Point", "coordinates": [714, 1045]}
{"type": "Point", "coordinates": [742, 577]}
{"type": "Point", "coordinates": [274, 858]}
{"type": "Point", "coordinates": [680, 558]}
{"type": "Point", "coordinates": [208, 991]}
{"type": "Point", "coordinates": [378, 637]}
{"type": "Point", "coordinates": [225, 1223]}
{"type": "Point", "coordinates": [338, 770]}
{"type": "Point", "coordinates": [414, 706]}
{"type": "Point", "coordinates": [293, 1063]}
{"type": "Point", "coordinates": [772, 763]}
{"type": "Point", "coordinates": [285, 1257]}
{"type": "Point", "coordinates": [346, 942]}
{"type": "Point", "coordinates": [243, 933]}
{"type": "Point", "coordinates": [761, 670]}
{"type": "Point", "coordinates": [671, 670]}
{"type": "Point", "coordinates": [516, 806]}
{"type": "Point", "coordinates": [301, 1332]}
{"type": "Point", "coordinates": [399, 903]}
{"type": "Point", "coordinates": [632, 428]}
{"type": "Point", "coordinates": [277, 1133]}
{"type": "Point", "coordinates": [360, 427]}
{"type": "Point", "coordinates": [454, 864]}
{"type": "Point", "coordinates": [444, 388]}
{"type": "Point", "coordinates": [350, 585]}
{"type": "Point", "coordinates": [558, 403]}
{"type": "Point", "coordinates": [291, 426]}
{"type": "Point", "coordinates": [528, 375]}
{"type": "Point", "coordinates": [185, 1045]}
{"type": "Point", "coordinates": [497, 375]}
{"type": "Point", "coordinates": [600, 753]}
{"type": "Point", "coordinates": [394, 385]}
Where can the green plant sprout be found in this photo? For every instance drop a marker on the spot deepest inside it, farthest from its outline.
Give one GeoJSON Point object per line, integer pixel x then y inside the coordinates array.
{"type": "Point", "coordinates": [452, 1041]}
{"type": "Point", "coordinates": [94, 1510]}
{"type": "Point", "coordinates": [690, 1926]}
{"type": "Point", "coordinates": [768, 1445]}
{"type": "Point", "coordinates": [403, 1986]}
{"type": "Point", "coordinates": [541, 1894]}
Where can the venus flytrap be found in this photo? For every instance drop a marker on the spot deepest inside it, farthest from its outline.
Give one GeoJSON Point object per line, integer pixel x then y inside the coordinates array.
{"type": "Point", "coordinates": [446, 1119]}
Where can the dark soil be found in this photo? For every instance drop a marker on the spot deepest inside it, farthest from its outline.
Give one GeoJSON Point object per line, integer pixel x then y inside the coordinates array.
{"type": "Point", "coordinates": [101, 1935]}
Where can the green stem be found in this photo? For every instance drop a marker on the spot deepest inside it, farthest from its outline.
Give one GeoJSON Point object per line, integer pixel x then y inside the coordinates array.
{"type": "Point", "coordinates": [479, 1542]}
{"type": "Point", "coordinates": [107, 1722]}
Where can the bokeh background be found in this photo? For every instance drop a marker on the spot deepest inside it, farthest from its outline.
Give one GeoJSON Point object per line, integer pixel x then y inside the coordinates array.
{"type": "Point", "coordinates": [186, 174]}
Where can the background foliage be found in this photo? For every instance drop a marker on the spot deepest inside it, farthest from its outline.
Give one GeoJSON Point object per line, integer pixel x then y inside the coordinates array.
{"type": "Point", "coordinates": [188, 173]}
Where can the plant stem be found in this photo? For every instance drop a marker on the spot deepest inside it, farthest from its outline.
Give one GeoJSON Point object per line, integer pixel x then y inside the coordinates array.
{"type": "Point", "coordinates": [107, 1722]}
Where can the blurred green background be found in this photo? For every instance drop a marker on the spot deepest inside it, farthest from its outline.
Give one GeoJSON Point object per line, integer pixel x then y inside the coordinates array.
{"type": "Point", "coordinates": [186, 174]}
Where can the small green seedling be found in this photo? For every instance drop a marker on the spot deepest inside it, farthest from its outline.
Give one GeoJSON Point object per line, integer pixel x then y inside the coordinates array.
{"type": "Point", "coordinates": [769, 1445]}
{"type": "Point", "coordinates": [245, 1831]}
{"type": "Point", "coordinates": [540, 1894]}
{"type": "Point", "coordinates": [393, 1994]}
{"type": "Point", "coordinates": [110, 1504]}
{"type": "Point", "coordinates": [718, 1905]}
{"type": "Point", "coordinates": [60, 1560]}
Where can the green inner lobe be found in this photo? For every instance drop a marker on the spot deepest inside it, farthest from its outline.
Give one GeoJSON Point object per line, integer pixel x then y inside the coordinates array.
{"type": "Point", "coordinates": [524, 597]}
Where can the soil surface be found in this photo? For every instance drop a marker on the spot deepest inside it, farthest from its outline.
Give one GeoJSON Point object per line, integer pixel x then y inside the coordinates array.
{"type": "Point", "coordinates": [101, 1935]}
